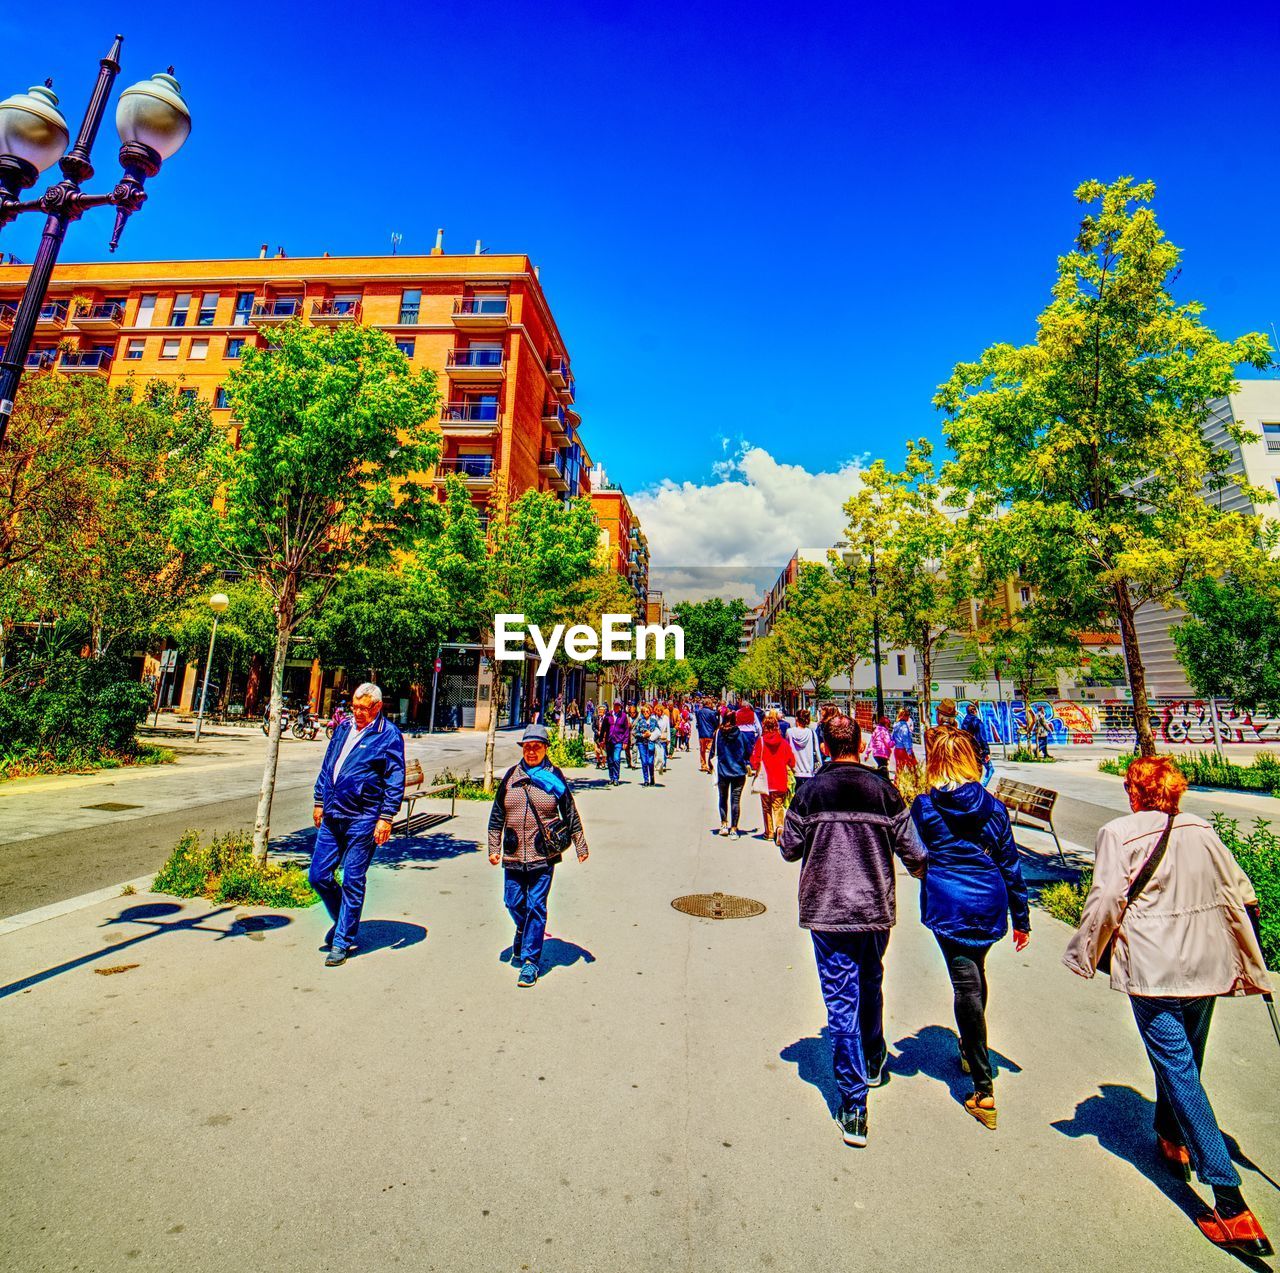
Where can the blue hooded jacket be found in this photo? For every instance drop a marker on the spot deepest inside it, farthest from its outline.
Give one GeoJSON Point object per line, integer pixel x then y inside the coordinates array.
{"type": "Point", "coordinates": [974, 882]}
{"type": "Point", "coordinates": [371, 783]}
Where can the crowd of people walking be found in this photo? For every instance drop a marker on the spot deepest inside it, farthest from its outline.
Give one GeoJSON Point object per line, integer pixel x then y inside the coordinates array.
{"type": "Point", "coordinates": [1170, 915]}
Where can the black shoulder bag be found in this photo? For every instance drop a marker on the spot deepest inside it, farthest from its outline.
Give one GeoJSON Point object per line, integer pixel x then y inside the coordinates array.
{"type": "Point", "coordinates": [1140, 881]}
{"type": "Point", "coordinates": [556, 839]}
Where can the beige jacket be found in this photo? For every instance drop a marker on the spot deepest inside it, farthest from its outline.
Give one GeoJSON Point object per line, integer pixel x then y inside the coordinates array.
{"type": "Point", "coordinates": [1188, 934]}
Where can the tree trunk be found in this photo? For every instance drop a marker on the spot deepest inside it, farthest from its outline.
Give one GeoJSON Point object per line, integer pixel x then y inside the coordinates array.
{"type": "Point", "coordinates": [262, 823]}
{"type": "Point", "coordinates": [925, 655]}
{"type": "Point", "coordinates": [1137, 673]}
{"type": "Point", "coordinates": [491, 733]}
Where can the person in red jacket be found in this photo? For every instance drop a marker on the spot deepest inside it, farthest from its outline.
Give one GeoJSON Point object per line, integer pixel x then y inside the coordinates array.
{"type": "Point", "coordinates": [774, 754]}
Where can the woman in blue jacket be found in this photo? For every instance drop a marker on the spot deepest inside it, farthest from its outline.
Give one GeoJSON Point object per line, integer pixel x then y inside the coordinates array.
{"type": "Point", "coordinates": [972, 885]}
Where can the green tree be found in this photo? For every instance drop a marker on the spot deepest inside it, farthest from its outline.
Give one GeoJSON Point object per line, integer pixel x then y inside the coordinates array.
{"type": "Point", "coordinates": [1229, 643]}
{"type": "Point", "coordinates": [924, 563]}
{"type": "Point", "coordinates": [712, 636]}
{"type": "Point", "coordinates": [326, 476]}
{"type": "Point", "coordinates": [540, 548]}
{"type": "Point", "coordinates": [805, 629]}
{"type": "Point", "coordinates": [246, 630]}
{"type": "Point", "coordinates": [764, 669]}
{"type": "Point", "coordinates": [1090, 438]}
{"type": "Point", "coordinates": [1027, 648]}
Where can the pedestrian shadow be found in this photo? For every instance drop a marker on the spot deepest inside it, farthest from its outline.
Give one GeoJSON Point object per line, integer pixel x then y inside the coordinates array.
{"type": "Point", "coordinates": [934, 1051]}
{"type": "Point", "coordinates": [812, 1059]}
{"type": "Point", "coordinates": [1120, 1119]}
{"type": "Point", "coordinates": [418, 850]}
{"type": "Point", "coordinates": [588, 784]}
{"type": "Point", "coordinates": [154, 916]}
{"type": "Point", "coordinates": [558, 953]}
{"type": "Point", "coordinates": [387, 934]}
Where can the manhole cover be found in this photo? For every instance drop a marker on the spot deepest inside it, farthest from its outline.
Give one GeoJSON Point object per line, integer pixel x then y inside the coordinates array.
{"type": "Point", "coordinates": [111, 806]}
{"type": "Point", "coordinates": [718, 906]}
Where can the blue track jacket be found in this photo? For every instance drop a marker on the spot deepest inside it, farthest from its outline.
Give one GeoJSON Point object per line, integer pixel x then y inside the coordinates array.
{"type": "Point", "coordinates": [371, 783]}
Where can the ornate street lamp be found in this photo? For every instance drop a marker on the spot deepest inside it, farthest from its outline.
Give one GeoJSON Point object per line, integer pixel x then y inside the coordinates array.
{"type": "Point", "coordinates": [153, 122]}
{"type": "Point", "coordinates": [217, 603]}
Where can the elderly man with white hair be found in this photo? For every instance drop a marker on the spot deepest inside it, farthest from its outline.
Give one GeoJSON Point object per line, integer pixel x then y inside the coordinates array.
{"type": "Point", "coordinates": [357, 796]}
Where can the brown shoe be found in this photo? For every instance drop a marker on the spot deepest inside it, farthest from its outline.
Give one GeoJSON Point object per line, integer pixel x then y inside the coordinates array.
{"type": "Point", "coordinates": [1176, 1157]}
{"type": "Point", "coordinates": [983, 1107]}
{"type": "Point", "coordinates": [1241, 1233]}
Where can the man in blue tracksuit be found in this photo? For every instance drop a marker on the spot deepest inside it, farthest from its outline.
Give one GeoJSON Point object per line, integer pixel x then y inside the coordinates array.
{"type": "Point", "coordinates": [357, 796]}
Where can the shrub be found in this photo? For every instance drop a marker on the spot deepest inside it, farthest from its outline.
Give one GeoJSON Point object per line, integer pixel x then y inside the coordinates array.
{"type": "Point", "coordinates": [1064, 899]}
{"type": "Point", "coordinates": [469, 788]}
{"type": "Point", "coordinates": [1205, 769]}
{"type": "Point", "coordinates": [1258, 852]}
{"type": "Point", "coordinates": [227, 871]}
{"type": "Point", "coordinates": [1029, 756]}
{"type": "Point", "coordinates": [567, 750]}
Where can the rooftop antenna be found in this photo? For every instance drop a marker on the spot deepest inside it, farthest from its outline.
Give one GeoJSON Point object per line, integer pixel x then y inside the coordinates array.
{"type": "Point", "coordinates": [396, 239]}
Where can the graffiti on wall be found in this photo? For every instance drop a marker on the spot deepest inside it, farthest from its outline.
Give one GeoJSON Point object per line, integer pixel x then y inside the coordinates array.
{"type": "Point", "coordinates": [1173, 720]}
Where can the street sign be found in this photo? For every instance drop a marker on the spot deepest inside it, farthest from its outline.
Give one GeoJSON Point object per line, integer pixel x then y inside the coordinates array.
{"type": "Point", "coordinates": [439, 665]}
{"type": "Point", "coordinates": [935, 687]}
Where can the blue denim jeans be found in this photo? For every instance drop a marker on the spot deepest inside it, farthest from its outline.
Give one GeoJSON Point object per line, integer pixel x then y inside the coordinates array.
{"type": "Point", "coordinates": [345, 842]}
{"type": "Point", "coordinates": [646, 763]}
{"type": "Point", "coordinates": [525, 895]}
{"type": "Point", "coordinates": [851, 973]}
{"type": "Point", "coordinates": [615, 762]}
{"type": "Point", "coordinates": [1175, 1032]}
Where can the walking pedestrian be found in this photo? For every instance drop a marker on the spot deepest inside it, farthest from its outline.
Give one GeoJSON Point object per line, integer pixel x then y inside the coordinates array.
{"type": "Point", "coordinates": [730, 753]}
{"type": "Point", "coordinates": [748, 722]}
{"type": "Point", "coordinates": [662, 741]}
{"type": "Point", "coordinates": [880, 746]}
{"type": "Point", "coordinates": [618, 732]}
{"type": "Point", "coordinates": [771, 763]}
{"type": "Point", "coordinates": [844, 826]}
{"type": "Point", "coordinates": [946, 715]}
{"type": "Point", "coordinates": [904, 743]}
{"type": "Point", "coordinates": [646, 734]}
{"type": "Point", "coordinates": [707, 722]}
{"type": "Point", "coordinates": [357, 795]}
{"type": "Point", "coordinates": [633, 717]}
{"type": "Point", "coordinates": [804, 747]}
{"type": "Point", "coordinates": [684, 727]}
{"type": "Point", "coordinates": [533, 823]}
{"type": "Point", "coordinates": [825, 713]}
{"type": "Point", "coordinates": [973, 726]}
{"type": "Point", "coordinates": [1040, 731]}
{"type": "Point", "coordinates": [972, 886]}
{"type": "Point", "coordinates": [1176, 917]}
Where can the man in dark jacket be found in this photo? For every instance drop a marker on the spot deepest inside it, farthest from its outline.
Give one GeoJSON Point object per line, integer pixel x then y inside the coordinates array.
{"type": "Point", "coordinates": [844, 825]}
{"type": "Point", "coordinates": [357, 796]}
{"type": "Point", "coordinates": [973, 726]}
{"type": "Point", "coordinates": [707, 720]}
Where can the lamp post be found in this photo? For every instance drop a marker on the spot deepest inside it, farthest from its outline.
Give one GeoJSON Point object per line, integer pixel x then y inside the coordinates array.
{"type": "Point", "coordinates": [217, 603]}
{"type": "Point", "coordinates": [873, 581]}
{"type": "Point", "coordinates": [153, 122]}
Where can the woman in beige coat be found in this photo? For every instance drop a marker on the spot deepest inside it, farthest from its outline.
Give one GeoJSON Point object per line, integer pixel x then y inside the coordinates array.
{"type": "Point", "coordinates": [1185, 939]}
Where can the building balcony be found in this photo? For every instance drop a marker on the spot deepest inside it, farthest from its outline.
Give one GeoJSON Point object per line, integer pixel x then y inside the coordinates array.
{"type": "Point", "coordinates": [99, 318]}
{"type": "Point", "coordinates": [265, 313]}
{"type": "Point", "coordinates": [7, 314]}
{"type": "Point", "coordinates": [558, 371]}
{"type": "Point", "coordinates": [482, 312]}
{"type": "Point", "coordinates": [39, 359]}
{"type": "Point", "coordinates": [336, 311]}
{"type": "Point", "coordinates": [556, 423]}
{"type": "Point", "coordinates": [551, 466]}
{"type": "Point", "coordinates": [470, 419]}
{"type": "Point", "coordinates": [93, 361]}
{"type": "Point", "coordinates": [475, 364]}
{"type": "Point", "coordinates": [475, 470]}
{"type": "Point", "coordinates": [52, 317]}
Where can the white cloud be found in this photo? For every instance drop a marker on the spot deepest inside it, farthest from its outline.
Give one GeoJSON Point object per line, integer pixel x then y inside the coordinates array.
{"type": "Point", "coordinates": [754, 512]}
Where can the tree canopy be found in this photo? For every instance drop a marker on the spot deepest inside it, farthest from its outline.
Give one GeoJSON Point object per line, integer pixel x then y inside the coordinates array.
{"type": "Point", "coordinates": [712, 636]}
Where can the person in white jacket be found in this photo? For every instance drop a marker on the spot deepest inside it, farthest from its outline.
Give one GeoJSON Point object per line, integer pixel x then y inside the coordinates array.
{"type": "Point", "coordinates": [1187, 937]}
{"type": "Point", "coordinates": [662, 738]}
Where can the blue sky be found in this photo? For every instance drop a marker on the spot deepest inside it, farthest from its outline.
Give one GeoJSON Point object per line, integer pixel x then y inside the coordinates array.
{"type": "Point", "coordinates": [771, 225]}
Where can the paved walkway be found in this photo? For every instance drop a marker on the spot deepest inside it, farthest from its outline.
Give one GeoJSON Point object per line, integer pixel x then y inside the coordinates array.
{"type": "Point", "coordinates": [658, 1102]}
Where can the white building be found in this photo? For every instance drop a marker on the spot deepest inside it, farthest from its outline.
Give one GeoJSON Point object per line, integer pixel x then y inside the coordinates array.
{"type": "Point", "coordinates": [1257, 407]}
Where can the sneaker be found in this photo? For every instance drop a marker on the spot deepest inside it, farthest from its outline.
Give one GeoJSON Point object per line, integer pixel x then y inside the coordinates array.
{"type": "Point", "coordinates": [724, 828]}
{"type": "Point", "coordinates": [528, 976]}
{"type": "Point", "coordinates": [734, 833]}
{"type": "Point", "coordinates": [853, 1126]}
{"type": "Point", "coordinates": [335, 958]}
{"type": "Point", "coordinates": [878, 1074]}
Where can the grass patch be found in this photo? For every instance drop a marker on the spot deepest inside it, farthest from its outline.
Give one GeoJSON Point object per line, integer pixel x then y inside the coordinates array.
{"type": "Point", "coordinates": [567, 750]}
{"type": "Point", "coordinates": [1029, 756]}
{"type": "Point", "coordinates": [469, 788]}
{"type": "Point", "coordinates": [226, 870]}
{"type": "Point", "coordinates": [1205, 769]}
{"type": "Point", "coordinates": [1064, 899]}
{"type": "Point", "coordinates": [41, 766]}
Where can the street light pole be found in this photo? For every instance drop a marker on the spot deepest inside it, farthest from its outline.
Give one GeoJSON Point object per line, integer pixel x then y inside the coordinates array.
{"type": "Point", "coordinates": [217, 603]}
{"type": "Point", "coordinates": [873, 580]}
{"type": "Point", "coordinates": [153, 122]}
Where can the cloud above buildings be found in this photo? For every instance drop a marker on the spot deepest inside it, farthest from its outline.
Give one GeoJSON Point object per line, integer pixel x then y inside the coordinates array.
{"type": "Point", "coordinates": [731, 535]}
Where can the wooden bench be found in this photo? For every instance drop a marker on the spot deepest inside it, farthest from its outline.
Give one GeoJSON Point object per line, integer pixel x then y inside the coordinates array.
{"type": "Point", "coordinates": [414, 790]}
{"type": "Point", "coordinates": [1032, 802]}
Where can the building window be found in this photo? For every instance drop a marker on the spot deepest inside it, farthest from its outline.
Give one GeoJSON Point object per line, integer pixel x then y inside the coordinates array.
{"type": "Point", "coordinates": [169, 349]}
{"type": "Point", "coordinates": [1024, 595]}
{"type": "Point", "coordinates": [234, 345]}
{"type": "Point", "coordinates": [405, 346]}
{"type": "Point", "coordinates": [134, 349]}
{"type": "Point", "coordinates": [1271, 435]}
{"type": "Point", "coordinates": [187, 397]}
{"type": "Point", "coordinates": [410, 302]}
{"type": "Point", "coordinates": [199, 349]}
{"type": "Point", "coordinates": [902, 665]}
{"type": "Point", "coordinates": [146, 314]}
{"type": "Point", "coordinates": [208, 309]}
{"type": "Point", "coordinates": [958, 693]}
{"type": "Point", "coordinates": [244, 310]}
{"type": "Point", "coordinates": [181, 307]}
{"type": "Point", "coordinates": [220, 399]}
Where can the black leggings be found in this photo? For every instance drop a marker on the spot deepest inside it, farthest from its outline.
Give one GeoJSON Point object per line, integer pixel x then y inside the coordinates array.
{"type": "Point", "coordinates": [730, 799]}
{"type": "Point", "coordinates": [966, 966]}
